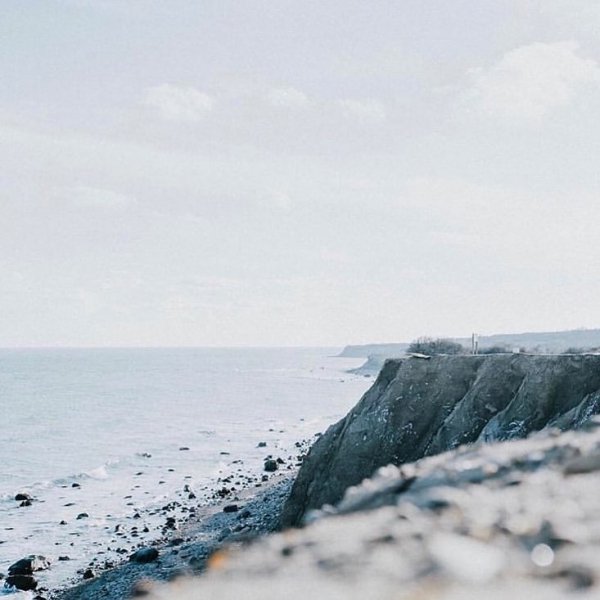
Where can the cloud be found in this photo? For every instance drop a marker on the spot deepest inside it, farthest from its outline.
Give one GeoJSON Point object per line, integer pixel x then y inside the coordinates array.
{"type": "Point", "coordinates": [288, 97]}
{"type": "Point", "coordinates": [366, 111]}
{"type": "Point", "coordinates": [176, 103]}
{"type": "Point", "coordinates": [532, 81]}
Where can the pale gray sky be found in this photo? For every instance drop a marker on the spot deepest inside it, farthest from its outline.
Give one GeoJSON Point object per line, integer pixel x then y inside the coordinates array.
{"type": "Point", "coordinates": [283, 172]}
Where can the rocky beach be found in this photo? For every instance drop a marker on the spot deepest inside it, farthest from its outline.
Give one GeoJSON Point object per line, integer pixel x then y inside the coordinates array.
{"type": "Point", "coordinates": [187, 549]}
{"type": "Point", "coordinates": [168, 541]}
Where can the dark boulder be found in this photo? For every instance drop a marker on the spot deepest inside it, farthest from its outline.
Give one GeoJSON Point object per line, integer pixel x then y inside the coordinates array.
{"type": "Point", "coordinates": [21, 496]}
{"type": "Point", "coordinates": [144, 555]}
{"type": "Point", "coordinates": [28, 565]}
{"type": "Point", "coordinates": [271, 465]}
{"type": "Point", "coordinates": [22, 582]}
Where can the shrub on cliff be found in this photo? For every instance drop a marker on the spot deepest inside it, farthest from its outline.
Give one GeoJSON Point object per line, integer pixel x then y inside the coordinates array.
{"type": "Point", "coordinates": [430, 346]}
{"type": "Point", "coordinates": [494, 350]}
{"type": "Point", "coordinates": [573, 350]}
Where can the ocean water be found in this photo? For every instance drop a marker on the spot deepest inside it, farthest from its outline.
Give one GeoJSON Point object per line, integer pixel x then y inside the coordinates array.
{"type": "Point", "coordinates": [131, 427]}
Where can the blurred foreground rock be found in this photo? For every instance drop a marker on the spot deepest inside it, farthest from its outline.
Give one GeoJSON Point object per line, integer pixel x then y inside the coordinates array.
{"type": "Point", "coordinates": [518, 519]}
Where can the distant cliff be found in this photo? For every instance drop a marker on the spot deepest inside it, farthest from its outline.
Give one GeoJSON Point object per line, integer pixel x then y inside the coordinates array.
{"type": "Point", "coordinates": [363, 351]}
{"type": "Point", "coordinates": [547, 341]}
{"type": "Point", "coordinates": [421, 407]}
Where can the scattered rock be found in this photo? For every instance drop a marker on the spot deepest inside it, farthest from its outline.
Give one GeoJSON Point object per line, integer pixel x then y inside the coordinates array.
{"type": "Point", "coordinates": [89, 574]}
{"type": "Point", "coordinates": [271, 465]}
{"type": "Point", "coordinates": [22, 582]}
{"type": "Point", "coordinates": [144, 555]}
{"type": "Point", "coordinates": [21, 496]}
{"type": "Point", "coordinates": [82, 515]}
{"type": "Point", "coordinates": [28, 565]}
{"type": "Point", "coordinates": [231, 508]}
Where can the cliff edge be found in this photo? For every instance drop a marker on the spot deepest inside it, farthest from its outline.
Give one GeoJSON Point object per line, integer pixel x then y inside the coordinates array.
{"type": "Point", "coordinates": [421, 407]}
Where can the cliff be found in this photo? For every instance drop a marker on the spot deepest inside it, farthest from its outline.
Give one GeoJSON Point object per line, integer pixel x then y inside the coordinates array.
{"type": "Point", "coordinates": [419, 408]}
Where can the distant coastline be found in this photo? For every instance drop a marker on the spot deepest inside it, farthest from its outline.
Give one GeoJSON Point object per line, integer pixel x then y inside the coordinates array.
{"type": "Point", "coordinates": [551, 342]}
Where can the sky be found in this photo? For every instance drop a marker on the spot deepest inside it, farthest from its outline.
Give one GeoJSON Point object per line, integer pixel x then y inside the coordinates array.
{"type": "Point", "coordinates": [277, 172]}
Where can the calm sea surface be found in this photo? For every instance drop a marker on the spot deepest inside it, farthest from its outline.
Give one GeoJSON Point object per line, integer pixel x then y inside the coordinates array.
{"type": "Point", "coordinates": [106, 418]}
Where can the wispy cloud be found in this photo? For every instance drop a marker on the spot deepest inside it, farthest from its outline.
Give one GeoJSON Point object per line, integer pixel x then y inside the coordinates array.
{"type": "Point", "coordinates": [368, 110]}
{"type": "Point", "coordinates": [532, 81]}
{"type": "Point", "coordinates": [288, 97]}
{"type": "Point", "coordinates": [177, 103]}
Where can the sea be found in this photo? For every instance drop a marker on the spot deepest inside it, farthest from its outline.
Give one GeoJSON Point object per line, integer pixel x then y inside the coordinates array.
{"type": "Point", "coordinates": [111, 433]}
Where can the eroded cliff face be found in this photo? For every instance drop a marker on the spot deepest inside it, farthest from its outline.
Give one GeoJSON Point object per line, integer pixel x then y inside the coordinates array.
{"type": "Point", "coordinates": [419, 408]}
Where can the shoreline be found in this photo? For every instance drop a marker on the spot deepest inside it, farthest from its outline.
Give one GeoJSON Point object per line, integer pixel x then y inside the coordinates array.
{"type": "Point", "coordinates": [187, 549]}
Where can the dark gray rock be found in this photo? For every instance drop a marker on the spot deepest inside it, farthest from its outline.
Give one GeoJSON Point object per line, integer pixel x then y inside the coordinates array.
{"type": "Point", "coordinates": [419, 408]}
{"type": "Point", "coordinates": [29, 565]}
{"type": "Point", "coordinates": [22, 582]}
{"type": "Point", "coordinates": [271, 465]}
{"type": "Point", "coordinates": [22, 496]}
{"type": "Point", "coordinates": [144, 555]}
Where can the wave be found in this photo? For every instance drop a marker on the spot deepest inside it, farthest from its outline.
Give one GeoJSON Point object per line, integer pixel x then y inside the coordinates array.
{"type": "Point", "coordinates": [99, 473]}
